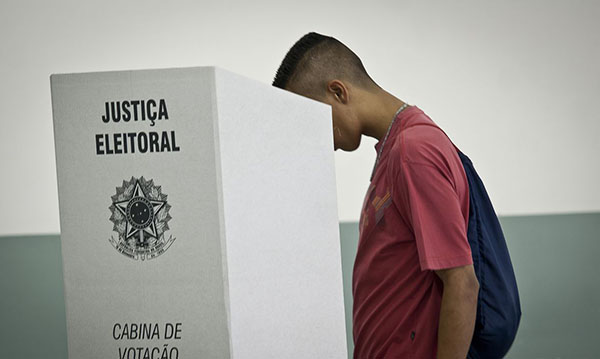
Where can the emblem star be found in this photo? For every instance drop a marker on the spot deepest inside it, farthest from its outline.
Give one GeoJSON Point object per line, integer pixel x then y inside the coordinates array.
{"type": "Point", "coordinates": [140, 213]}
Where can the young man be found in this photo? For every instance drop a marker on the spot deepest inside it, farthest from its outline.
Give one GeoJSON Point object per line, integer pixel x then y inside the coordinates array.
{"type": "Point", "coordinates": [414, 287]}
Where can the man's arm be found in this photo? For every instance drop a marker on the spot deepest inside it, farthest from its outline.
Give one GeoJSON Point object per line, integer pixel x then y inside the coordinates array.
{"type": "Point", "coordinates": [458, 311]}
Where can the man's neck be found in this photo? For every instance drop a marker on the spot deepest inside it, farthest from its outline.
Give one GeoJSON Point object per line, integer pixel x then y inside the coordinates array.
{"type": "Point", "coordinates": [380, 109]}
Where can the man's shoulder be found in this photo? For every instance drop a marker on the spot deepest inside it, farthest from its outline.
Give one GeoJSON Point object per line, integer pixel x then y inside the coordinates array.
{"type": "Point", "coordinates": [422, 141]}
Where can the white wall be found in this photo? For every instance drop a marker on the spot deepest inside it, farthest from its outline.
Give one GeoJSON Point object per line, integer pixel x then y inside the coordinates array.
{"type": "Point", "coordinates": [514, 83]}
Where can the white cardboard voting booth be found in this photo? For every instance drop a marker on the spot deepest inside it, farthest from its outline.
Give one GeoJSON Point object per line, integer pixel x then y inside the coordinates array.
{"type": "Point", "coordinates": [198, 217]}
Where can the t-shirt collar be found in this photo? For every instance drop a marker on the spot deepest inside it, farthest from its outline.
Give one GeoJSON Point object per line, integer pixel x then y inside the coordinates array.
{"type": "Point", "coordinates": [395, 126]}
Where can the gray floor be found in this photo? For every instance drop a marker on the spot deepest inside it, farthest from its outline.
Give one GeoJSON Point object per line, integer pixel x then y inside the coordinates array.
{"type": "Point", "coordinates": [554, 257]}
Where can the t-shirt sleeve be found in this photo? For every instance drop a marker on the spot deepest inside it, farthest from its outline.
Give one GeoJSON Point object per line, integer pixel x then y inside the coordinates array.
{"type": "Point", "coordinates": [423, 185]}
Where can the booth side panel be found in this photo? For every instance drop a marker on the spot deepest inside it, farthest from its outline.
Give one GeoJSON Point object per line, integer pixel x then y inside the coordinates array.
{"type": "Point", "coordinates": [281, 225]}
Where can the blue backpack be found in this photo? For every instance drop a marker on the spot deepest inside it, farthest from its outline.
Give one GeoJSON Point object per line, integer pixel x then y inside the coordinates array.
{"type": "Point", "coordinates": [498, 306]}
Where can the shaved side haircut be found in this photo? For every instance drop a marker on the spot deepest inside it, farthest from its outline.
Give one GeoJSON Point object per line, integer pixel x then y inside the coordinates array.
{"type": "Point", "coordinates": [316, 59]}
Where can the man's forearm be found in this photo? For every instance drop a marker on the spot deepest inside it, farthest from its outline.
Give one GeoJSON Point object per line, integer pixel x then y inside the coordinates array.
{"type": "Point", "coordinates": [457, 319]}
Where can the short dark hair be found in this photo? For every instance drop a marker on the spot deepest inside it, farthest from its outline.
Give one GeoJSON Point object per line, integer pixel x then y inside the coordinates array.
{"type": "Point", "coordinates": [316, 59]}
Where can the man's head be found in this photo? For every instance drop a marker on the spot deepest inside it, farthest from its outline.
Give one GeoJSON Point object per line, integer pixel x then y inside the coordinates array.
{"type": "Point", "coordinates": [322, 68]}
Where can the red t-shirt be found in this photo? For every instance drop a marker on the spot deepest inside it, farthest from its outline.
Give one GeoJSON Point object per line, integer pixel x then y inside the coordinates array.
{"type": "Point", "coordinates": [414, 221]}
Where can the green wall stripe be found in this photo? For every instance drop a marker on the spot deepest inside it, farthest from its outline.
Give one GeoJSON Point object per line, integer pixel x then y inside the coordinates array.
{"type": "Point", "coordinates": [554, 257]}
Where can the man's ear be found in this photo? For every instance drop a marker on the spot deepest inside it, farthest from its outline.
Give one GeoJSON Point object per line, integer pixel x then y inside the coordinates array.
{"type": "Point", "coordinates": [338, 90]}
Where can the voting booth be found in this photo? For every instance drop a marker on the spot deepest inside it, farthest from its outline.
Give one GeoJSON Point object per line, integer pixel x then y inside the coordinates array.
{"type": "Point", "coordinates": [198, 217]}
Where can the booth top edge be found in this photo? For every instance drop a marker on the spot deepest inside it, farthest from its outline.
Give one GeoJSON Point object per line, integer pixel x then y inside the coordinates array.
{"type": "Point", "coordinates": [52, 75]}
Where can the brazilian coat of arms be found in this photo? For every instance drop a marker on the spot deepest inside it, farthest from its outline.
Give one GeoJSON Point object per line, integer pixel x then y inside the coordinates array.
{"type": "Point", "coordinates": [140, 216]}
